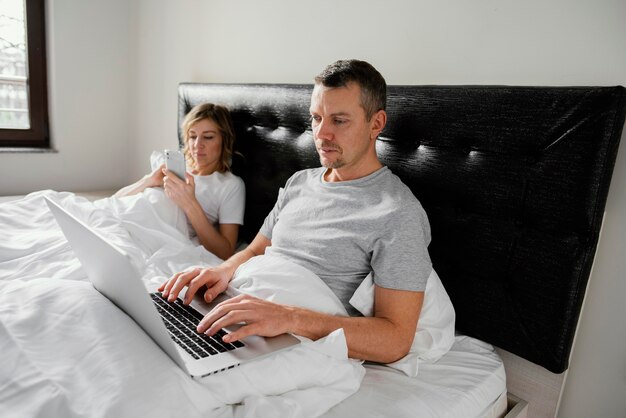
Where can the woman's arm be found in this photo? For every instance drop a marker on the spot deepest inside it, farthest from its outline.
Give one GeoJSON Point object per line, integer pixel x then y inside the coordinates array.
{"type": "Point", "coordinates": [220, 241]}
{"type": "Point", "coordinates": [154, 179]}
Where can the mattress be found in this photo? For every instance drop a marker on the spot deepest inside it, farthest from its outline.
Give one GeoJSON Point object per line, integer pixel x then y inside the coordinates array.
{"type": "Point", "coordinates": [469, 381]}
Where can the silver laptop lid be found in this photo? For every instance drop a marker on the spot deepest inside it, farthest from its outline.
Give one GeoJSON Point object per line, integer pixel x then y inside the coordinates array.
{"type": "Point", "coordinates": [111, 272]}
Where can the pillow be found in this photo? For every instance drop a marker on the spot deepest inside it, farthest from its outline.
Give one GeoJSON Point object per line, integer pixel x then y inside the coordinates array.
{"type": "Point", "coordinates": [157, 158]}
{"type": "Point", "coordinates": [435, 329]}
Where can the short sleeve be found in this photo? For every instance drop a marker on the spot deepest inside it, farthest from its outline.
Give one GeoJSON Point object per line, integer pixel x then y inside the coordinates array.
{"type": "Point", "coordinates": [400, 258]}
{"type": "Point", "coordinates": [272, 217]}
{"type": "Point", "coordinates": [232, 207]}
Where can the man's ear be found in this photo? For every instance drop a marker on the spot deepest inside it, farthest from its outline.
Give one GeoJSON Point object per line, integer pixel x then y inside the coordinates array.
{"type": "Point", "coordinates": [378, 122]}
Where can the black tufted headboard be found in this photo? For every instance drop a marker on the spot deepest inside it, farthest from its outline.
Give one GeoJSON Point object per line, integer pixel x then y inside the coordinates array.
{"type": "Point", "coordinates": [514, 181]}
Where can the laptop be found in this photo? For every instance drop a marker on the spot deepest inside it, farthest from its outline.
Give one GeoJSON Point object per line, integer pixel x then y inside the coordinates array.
{"type": "Point", "coordinates": [171, 325]}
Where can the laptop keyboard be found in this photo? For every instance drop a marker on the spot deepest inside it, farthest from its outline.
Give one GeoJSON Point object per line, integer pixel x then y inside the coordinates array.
{"type": "Point", "coordinates": [182, 320]}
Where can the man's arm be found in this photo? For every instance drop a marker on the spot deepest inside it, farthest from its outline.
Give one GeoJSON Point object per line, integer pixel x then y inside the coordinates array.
{"type": "Point", "coordinates": [215, 279]}
{"type": "Point", "coordinates": [384, 338]}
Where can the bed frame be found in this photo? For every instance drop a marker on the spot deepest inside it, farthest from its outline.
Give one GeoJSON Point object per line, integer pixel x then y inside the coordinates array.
{"type": "Point", "coordinates": [514, 181]}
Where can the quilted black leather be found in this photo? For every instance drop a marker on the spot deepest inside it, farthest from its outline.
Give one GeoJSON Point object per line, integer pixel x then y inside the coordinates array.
{"type": "Point", "coordinates": [514, 181]}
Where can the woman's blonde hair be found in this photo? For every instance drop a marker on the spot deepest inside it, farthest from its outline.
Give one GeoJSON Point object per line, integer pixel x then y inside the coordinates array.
{"type": "Point", "coordinates": [220, 115]}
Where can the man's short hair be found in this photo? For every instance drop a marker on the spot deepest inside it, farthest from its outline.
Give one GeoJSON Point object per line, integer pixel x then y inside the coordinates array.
{"type": "Point", "coordinates": [373, 86]}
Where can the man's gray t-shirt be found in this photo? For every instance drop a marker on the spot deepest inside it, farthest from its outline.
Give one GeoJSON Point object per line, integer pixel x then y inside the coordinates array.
{"type": "Point", "coordinates": [342, 231]}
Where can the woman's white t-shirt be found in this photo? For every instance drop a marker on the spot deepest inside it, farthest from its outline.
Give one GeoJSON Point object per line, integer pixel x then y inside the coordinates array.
{"type": "Point", "coordinates": [222, 197]}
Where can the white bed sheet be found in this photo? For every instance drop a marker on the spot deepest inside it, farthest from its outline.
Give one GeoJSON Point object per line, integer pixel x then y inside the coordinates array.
{"type": "Point", "coordinates": [466, 382]}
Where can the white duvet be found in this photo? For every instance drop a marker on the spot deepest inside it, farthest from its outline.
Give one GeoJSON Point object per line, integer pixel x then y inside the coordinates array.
{"type": "Point", "coordinates": [66, 351]}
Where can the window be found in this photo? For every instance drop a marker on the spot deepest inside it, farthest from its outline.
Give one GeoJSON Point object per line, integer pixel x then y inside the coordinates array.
{"type": "Point", "coordinates": [23, 84]}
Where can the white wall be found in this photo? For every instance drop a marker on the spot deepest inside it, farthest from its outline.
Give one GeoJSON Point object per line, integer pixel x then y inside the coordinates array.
{"type": "Point", "coordinates": [561, 42]}
{"type": "Point", "coordinates": [88, 80]}
{"type": "Point", "coordinates": [115, 66]}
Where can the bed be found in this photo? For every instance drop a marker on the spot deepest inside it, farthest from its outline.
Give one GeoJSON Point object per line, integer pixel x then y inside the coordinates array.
{"type": "Point", "coordinates": [514, 181]}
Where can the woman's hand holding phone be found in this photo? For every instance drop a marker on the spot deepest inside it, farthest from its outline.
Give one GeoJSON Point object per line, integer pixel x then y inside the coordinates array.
{"type": "Point", "coordinates": [175, 162]}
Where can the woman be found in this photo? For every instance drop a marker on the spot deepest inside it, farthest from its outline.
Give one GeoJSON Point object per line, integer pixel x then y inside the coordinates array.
{"type": "Point", "coordinates": [211, 196]}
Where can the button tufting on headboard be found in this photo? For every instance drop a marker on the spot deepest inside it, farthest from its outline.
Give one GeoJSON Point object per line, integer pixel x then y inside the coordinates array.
{"type": "Point", "coordinates": [514, 181]}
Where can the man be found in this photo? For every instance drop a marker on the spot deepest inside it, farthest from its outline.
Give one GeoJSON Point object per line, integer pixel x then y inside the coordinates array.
{"type": "Point", "coordinates": [343, 220]}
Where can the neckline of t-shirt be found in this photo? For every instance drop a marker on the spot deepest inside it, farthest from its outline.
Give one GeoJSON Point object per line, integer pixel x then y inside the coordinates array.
{"type": "Point", "coordinates": [216, 173]}
{"type": "Point", "coordinates": [356, 182]}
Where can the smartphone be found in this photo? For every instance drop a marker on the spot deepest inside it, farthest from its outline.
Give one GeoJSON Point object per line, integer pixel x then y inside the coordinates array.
{"type": "Point", "coordinates": [175, 162]}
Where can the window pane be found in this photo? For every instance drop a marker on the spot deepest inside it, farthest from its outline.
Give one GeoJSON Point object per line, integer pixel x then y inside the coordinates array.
{"type": "Point", "coordinates": [13, 66]}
